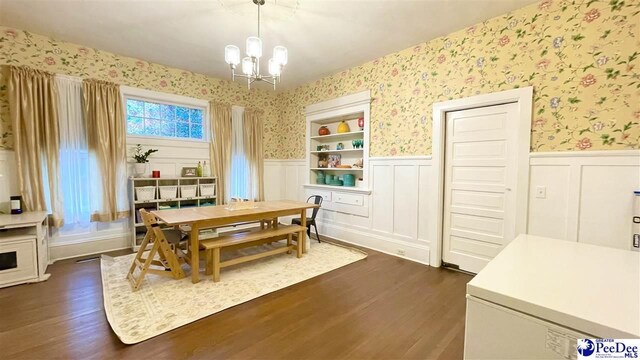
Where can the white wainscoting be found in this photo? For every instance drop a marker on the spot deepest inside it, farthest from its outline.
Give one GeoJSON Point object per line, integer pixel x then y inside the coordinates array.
{"type": "Point", "coordinates": [284, 179]}
{"type": "Point", "coordinates": [398, 217]}
{"type": "Point", "coordinates": [589, 196]}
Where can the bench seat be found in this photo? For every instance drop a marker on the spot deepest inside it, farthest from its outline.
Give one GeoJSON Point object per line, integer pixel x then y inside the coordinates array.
{"type": "Point", "coordinates": [249, 238]}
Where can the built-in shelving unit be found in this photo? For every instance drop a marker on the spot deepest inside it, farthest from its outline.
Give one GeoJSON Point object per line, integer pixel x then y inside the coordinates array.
{"type": "Point", "coordinates": [159, 202]}
{"type": "Point", "coordinates": [351, 147]}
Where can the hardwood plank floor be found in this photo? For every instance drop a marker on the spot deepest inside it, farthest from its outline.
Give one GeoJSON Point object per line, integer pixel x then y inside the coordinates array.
{"type": "Point", "coordinates": [382, 307]}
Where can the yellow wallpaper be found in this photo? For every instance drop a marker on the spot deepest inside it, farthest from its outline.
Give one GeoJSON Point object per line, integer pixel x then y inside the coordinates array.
{"type": "Point", "coordinates": [19, 47]}
{"type": "Point", "coordinates": [580, 56]}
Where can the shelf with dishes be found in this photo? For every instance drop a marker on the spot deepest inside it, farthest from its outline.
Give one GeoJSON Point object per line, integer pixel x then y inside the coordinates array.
{"type": "Point", "coordinates": [337, 158]}
{"type": "Point", "coordinates": [337, 169]}
{"type": "Point", "coordinates": [339, 136]}
{"type": "Point", "coordinates": [337, 151]}
{"type": "Point", "coordinates": [348, 189]}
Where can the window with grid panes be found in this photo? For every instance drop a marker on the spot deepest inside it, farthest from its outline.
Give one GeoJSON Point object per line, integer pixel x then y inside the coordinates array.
{"type": "Point", "coordinates": [164, 120]}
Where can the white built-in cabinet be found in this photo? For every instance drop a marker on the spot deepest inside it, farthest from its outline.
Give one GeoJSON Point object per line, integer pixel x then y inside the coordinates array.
{"type": "Point", "coordinates": [330, 114]}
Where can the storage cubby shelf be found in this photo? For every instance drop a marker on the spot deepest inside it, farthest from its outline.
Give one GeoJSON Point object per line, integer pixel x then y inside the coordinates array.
{"type": "Point", "coordinates": [137, 227]}
{"type": "Point", "coordinates": [171, 200]}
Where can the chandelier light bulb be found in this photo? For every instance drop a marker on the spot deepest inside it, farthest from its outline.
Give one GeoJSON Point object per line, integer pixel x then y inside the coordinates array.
{"type": "Point", "coordinates": [274, 68]}
{"type": "Point", "coordinates": [247, 66]}
{"type": "Point", "coordinates": [232, 55]}
{"type": "Point", "coordinates": [254, 47]}
{"type": "Point", "coordinates": [250, 64]}
{"type": "Point", "coordinates": [280, 55]}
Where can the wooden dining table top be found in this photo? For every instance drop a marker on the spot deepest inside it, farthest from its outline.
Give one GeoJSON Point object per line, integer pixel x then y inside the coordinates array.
{"type": "Point", "coordinates": [267, 209]}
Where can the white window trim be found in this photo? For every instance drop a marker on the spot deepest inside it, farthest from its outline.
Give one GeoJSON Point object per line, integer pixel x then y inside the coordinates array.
{"type": "Point", "coordinates": [128, 92]}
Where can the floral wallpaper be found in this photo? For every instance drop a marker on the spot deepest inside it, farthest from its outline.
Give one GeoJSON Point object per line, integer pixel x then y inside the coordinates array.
{"type": "Point", "coordinates": [19, 47]}
{"type": "Point", "coordinates": [580, 56]}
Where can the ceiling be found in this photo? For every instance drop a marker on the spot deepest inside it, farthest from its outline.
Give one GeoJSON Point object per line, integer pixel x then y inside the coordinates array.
{"type": "Point", "coordinates": [322, 36]}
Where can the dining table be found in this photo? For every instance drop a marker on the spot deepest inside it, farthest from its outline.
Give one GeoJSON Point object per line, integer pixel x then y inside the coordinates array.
{"type": "Point", "coordinates": [198, 218]}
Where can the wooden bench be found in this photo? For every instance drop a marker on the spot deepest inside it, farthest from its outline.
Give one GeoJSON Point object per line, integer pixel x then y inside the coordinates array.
{"type": "Point", "coordinates": [249, 238]}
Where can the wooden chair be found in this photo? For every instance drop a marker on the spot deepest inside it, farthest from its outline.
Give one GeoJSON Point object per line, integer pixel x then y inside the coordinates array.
{"type": "Point", "coordinates": [166, 252]}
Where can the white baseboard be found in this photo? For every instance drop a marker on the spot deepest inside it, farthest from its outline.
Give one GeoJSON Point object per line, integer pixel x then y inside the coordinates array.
{"type": "Point", "coordinates": [63, 251]}
{"type": "Point", "coordinates": [361, 237]}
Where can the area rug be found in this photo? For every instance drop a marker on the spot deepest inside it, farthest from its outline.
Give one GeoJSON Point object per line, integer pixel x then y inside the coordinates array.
{"type": "Point", "coordinates": [163, 304]}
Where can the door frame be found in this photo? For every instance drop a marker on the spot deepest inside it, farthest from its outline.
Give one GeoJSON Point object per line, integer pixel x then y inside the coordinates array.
{"type": "Point", "coordinates": [523, 97]}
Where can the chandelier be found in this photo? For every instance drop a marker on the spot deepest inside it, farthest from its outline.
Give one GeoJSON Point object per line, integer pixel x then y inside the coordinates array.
{"type": "Point", "coordinates": [251, 63]}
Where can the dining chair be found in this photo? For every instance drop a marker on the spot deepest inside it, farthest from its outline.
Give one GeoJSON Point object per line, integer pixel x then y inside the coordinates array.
{"type": "Point", "coordinates": [165, 243]}
{"type": "Point", "coordinates": [317, 199]}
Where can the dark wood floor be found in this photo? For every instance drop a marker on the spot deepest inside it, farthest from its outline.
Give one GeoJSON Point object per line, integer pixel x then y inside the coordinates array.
{"type": "Point", "coordinates": [379, 308]}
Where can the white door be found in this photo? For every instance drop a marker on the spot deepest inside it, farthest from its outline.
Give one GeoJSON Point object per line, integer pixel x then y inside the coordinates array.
{"type": "Point", "coordinates": [480, 176]}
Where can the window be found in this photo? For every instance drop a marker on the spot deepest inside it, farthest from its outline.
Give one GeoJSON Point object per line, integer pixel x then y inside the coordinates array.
{"type": "Point", "coordinates": [167, 120]}
{"type": "Point", "coordinates": [239, 174]}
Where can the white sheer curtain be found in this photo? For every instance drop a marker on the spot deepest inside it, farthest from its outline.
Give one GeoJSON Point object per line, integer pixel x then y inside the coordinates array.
{"type": "Point", "coordinates": [74, 155]}
{"type": "Point", "coordinates": [239, 177]}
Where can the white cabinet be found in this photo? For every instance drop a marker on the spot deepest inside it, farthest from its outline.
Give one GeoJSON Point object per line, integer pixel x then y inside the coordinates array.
{"type": "Point", "coordinates": [24, 248]}
{"type": "Point", "coordinates": [342, 155]}
{"type": "Point", "coordinates": [539, 295]}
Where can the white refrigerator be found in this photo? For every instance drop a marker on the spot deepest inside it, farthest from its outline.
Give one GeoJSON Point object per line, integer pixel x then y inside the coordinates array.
{"type": "Point", "coordinates": [539, 295]}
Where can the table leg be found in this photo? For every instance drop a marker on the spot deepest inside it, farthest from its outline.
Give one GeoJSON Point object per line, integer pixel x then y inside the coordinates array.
{"type": "Point", "coordinates": [195, 253]}
{"type": "Point", "coordinates": [303, 239]}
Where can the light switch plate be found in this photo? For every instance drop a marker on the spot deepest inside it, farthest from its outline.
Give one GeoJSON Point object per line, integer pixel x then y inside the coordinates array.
{"type": "Point", "coordinates": [541, 192]}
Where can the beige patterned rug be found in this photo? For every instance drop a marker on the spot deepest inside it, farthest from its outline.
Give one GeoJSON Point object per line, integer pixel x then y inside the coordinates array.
{"type": "Point", "coordinates": [163, 304]}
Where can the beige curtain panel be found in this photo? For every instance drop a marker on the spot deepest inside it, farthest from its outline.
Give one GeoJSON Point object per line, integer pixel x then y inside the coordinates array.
{"type": "Point", "coordinates": [220, 147]}
{"type": "Point", "coordinates": [33, 112]}
{"type": "Point", "coordinates": [253, 131]}
{"type": "Point", "coordinates": [106, 138]}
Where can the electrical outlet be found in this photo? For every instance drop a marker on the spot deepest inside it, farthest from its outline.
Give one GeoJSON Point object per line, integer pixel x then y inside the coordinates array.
{"type": "Point", "coordinates": [636, 242]}
{"type": "Point", "coordinates": [541, 192]}
{"type": "Point", "coordinates": [401, 252]}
